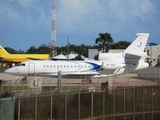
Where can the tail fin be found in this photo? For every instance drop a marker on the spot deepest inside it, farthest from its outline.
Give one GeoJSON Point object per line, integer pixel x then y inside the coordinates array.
{"type": "Point", "coordinates": [3, 51]}
{"type": "Point", "coordinates": [137, 46]}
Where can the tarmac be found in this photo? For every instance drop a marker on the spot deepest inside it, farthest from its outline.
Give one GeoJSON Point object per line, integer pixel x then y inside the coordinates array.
{"type": "Point", "coordinates": [129, 79]}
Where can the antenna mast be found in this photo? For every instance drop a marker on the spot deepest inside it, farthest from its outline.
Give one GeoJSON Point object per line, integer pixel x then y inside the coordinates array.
{"type": "Point", "coordinates": [53, 29]}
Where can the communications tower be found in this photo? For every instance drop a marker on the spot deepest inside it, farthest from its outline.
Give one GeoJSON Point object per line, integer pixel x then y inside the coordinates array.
{"type": "Point", "coordinates": [53, 28]}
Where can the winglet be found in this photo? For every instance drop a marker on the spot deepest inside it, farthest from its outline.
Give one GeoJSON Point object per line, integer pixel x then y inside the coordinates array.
{"type": "Point", "coordinates": [138, 45]}
{"type": "Point", "coordinates": [3, 51]}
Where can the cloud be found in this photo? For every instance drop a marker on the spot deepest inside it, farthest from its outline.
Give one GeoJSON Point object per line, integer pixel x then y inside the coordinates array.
{"type": "Point", "coordinates": [77, 14]}
{"type": "Point", "coordinates": [24, 15]}
{"type": "Point", "coordinates": [28, 3]}
{"type": "Point", "coordinates": [8, 13]}
{"type": "Point", "coordinates": [95, 15]}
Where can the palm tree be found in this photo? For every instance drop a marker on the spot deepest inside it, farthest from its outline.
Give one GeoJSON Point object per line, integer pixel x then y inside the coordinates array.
{"type": "Point", "coordinates": [105, 41]}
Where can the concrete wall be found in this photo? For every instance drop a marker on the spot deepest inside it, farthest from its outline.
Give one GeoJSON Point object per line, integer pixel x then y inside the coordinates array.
{"type": "Point", "coordinates": [151, 73]}
{"type": "Point", "coordinates": [92, 53]}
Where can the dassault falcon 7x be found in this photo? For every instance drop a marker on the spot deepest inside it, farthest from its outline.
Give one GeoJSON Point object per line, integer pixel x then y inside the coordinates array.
{"type": "Point", "coordinates": [131, 59]}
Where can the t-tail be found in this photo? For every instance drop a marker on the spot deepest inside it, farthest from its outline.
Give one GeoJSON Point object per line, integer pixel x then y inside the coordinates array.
{"type": "Point", "coordinates": [137, 47]}
{"type": "Point", "coordinates": [3, 51]}
{"type": "Point", "coordinates": [135, 55]}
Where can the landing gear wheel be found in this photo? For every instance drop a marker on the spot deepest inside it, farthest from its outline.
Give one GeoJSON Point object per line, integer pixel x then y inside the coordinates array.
{"type": "Point", "coordinates": [25, 79]}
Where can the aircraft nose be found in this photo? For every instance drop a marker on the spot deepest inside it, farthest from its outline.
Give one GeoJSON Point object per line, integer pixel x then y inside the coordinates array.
{"type": "Point", "coordinates": [10, 71]}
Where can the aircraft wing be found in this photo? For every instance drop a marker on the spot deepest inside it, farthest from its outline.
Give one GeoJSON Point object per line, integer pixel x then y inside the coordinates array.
{"type": "Point", "coordinates": [35, 58]}
{"type": "Point", "coordinates": [1, 57]}
{"type": "Point", "coordinates": [102, 76]}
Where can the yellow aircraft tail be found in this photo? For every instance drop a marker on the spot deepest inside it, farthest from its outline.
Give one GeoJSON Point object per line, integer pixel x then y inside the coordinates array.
{"type": "Point", "coordinates": [3, 51]}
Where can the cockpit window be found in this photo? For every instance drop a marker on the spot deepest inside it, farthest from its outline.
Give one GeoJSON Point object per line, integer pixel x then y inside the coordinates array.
{"type": "Point", "coordinates": [18, 64]}
{"type": "Point", "coordinates": [22, 64]}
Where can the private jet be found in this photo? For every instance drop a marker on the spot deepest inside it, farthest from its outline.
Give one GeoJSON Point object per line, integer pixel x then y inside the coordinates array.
{"type": "Point", "coordinates": [131, 59]}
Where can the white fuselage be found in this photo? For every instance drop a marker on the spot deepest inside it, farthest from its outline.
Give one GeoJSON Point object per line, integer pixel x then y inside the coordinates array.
{"type": "Point", "coordinates": [67, 68]}
{"type": "Point", "coordinates": [51, 68]}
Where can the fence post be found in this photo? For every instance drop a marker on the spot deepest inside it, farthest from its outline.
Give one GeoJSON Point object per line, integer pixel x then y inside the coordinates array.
{"type": "Point", "coordinates": [152, 104]}
{"type": "Point", "coordinates": [79, 105]}
{"type": "Point", "coordinates": [59, 82]}
{"type": "Point", "coordinates": [133, 102]}
{"type": "Point", "coordinates": [19, 105]}
{"type": "Point", "coordinates": [103, 105]}
{"type": "Point", "coordinates": [50, 85]}
{"type": "Point", "coordinates": [92, 105]}
{"type": "Point", "coordinates": [143, 103]}
{"type": "Point", "coordinates": [113, 91]}
{"type": "Point", "coordinates": [104, 101]}
{"type": "Point", "coordinates": [124, 100]}
{"type": "Point", "coordinates": [124, 97]}
{"type": "Point", "coordinates": [66, 97]}
{"type": "Point", "coordinates": [36, 106]}
{"type": "Point", "coordinates": [52, 101]}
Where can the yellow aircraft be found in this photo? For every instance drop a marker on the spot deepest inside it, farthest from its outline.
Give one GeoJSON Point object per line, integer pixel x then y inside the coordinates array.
{"type": "Point", "coordinates": [17, 58]}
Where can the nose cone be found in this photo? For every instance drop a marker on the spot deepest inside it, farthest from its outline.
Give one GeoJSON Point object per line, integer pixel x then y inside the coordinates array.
{"type": "Point", "coordinates": [11, 71]}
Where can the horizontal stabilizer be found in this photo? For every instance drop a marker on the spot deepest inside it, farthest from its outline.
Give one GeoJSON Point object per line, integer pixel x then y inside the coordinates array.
{"type": "Point", "coordinates": [135, 54]}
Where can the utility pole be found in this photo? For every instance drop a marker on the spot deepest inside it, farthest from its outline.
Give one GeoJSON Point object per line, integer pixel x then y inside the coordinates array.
{"type": "Point", "coordinates": [53, 29]}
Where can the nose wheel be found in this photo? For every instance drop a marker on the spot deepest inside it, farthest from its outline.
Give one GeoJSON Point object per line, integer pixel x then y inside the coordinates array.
{"type": "Point", "coordinates": [25, 79]}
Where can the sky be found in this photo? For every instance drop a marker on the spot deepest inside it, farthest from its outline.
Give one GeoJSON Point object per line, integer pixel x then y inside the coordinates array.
{"type": "Point", "coordinates": [26, 23]}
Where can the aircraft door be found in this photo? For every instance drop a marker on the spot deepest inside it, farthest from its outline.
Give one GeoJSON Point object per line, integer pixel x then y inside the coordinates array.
{"type": "Point", "coordinates": [31, 68]}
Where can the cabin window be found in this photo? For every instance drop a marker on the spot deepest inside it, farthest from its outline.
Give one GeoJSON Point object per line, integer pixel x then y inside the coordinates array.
{"type": "Point", "coordinates": [75, 66]}
{"type": "Point", "coordinates": [68, 66]}
{"type": "Point", "coordinates": [64, 66]}
{"type": "Point", "coordinates": [44, 66]}
{"type": "Point", "coordinates": [51, 66]}
{"type": "Point", "coordinates": [61, 66]}
{"type": "Point", "coordinates": [54, 66]}
{"type": "Point", "coordinates": [47, 66]}
{"type": "Point", "coordinates": [57, 65]}
{"type": "Point", "coordinates": [88, 66]}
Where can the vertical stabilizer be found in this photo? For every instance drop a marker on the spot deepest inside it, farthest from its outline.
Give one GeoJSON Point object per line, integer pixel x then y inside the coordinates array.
{"type": "Point", "coordinates": [3, 51]}
{"type": "Point", "coordinates": [138, 45]}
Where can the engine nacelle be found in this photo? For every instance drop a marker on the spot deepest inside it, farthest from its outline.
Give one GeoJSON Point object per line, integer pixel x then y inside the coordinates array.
{"type": "Point", "coordinates": [112, 66]}
{"type": "Point", "coordinates": [110, 57]}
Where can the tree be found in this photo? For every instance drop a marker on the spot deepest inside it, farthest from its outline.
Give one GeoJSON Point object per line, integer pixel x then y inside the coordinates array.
{"type": "Point", "coordinates": [152, 44]}
{"type": "Point", "coordinates": [11, 50]}
{"type": "Point", "coordinates": [120, 45]}
{"type": "Point", "coordinates": [43, 49]}
{"type": "Point", "coordinates": [96, 57]}
{"type": "Point", "coordinates": [31, 50]}
{"type": "Point", "coordinates": [105, 41]}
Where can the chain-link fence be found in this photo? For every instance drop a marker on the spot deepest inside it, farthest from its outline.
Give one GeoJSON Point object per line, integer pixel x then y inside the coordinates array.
{"type": "Point", "coordinates": [7, 108]}
{"type": "Point", "coordinates": [130, 96]}
{"type": "Point", "coordinates": [133, 102]}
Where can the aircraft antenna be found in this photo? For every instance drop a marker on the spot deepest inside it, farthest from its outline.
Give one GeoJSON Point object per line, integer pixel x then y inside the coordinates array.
{"type": "Point", "coordinates": [53, 29]}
